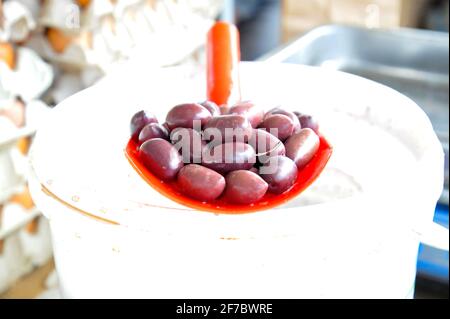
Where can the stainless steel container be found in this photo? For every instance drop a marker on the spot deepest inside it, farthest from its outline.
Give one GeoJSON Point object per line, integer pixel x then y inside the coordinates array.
{"type": "Point", "coordinates": [413, 62]}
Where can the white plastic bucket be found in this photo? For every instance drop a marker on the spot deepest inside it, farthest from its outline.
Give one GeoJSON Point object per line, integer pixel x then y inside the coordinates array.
{"type": "Point", "coordinates": [354, 233]}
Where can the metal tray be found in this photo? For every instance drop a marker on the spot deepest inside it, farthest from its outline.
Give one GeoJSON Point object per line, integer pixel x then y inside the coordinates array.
{"type": "Point", "coordinates": [413, 62]}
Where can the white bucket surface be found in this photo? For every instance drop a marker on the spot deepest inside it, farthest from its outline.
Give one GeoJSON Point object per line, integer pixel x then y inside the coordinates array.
{"type": "Point", "coordinates": [354, 233]}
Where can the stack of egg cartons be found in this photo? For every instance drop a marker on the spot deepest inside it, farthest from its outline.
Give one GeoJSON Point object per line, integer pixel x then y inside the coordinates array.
{"type": "Point", "coordinates": [24, 80]}
{"type": "Point", "coordinates": [83, 38]}
{"type": "Point", "coordinates": [51, 49]}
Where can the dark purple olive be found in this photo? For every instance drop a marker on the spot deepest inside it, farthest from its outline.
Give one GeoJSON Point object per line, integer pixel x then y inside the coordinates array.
{"type": "Point", "coordinates": [254, 170]}
{"type": "Point", "coordinates": [153, 130]}
{"type": "Point", "coordinates": [184, 115]}
{"type": "Point", "coordinates": [248, 109]}
{"type": "Point", "coordinates": [289, 114]}
{"type": "Point", "coordinates": [211, 107]}
{"type": "Point", "coordinates": [279, 125]}
{"type": "Point", "coordinates": [200, 182]}
{"type": "Point", "coordinates": [229, 157]}
{"type": "Point", "coordinates": [139, 120]}
{"type": "Point", "coordinates": [244, 187]}
{"type": "Point", "coordinates": [188, 143]}
{"type": "Point", "coordinates": [280, 172]}
{"type": "Point", "coordinates": [302, 147]}
{"type": "Point", "coordinates": [266, 145]}
{"type": "Point", "coordinates": [161, 158]}
{"type": "Point", "coordinates": [308, 121]}
{"type": "Point", "coordinates": [227, 128]}
{"type": "Point", "coordinates": [166, 126]}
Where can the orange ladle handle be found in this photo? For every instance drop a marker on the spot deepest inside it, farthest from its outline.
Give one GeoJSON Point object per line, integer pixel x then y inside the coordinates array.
{"type": "Point", "coordinates": [223, 56]}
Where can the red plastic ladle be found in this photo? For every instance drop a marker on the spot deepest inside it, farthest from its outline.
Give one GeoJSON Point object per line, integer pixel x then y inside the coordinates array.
{"type": "Point", "coordinates": [223, 56]}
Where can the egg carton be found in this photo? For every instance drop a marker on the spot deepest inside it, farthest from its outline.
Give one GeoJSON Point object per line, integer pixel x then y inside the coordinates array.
{"type": "Point", "coordinates": [17, 20]}
{"type": "Point", "coordinates": [13, 163]}
{"type": "Point", "coordinates": [29, 79]}
{"type": "Point", "coordinates": [102, 32]}
{"type": "Point", "coordinates": [83, 43]}
{"type": "Point", "coordinates": [25, 243]}
{"type": "Point", "coordinates": [24, 233]}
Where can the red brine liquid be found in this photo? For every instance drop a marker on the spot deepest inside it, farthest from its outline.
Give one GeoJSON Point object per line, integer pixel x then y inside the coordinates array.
{"type": "Point", "coordinates": [306, 176]}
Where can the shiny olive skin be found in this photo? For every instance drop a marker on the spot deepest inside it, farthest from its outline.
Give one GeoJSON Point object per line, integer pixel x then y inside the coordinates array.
{"type": "Point", "coordinates": [266, 145]}
{"type": "Point", "coordinates": [184, 115]}
{"type": "Point", "coordinates": [280, 172]}
{"type": "Point", "coordinates": [153, 130]}
{"type": "Point", "coordinates": [281, 126]}
{"type": "Point", "coordinates": [200, 183]}
{"type": "Point", "coordinates": [138, 121]}
{"type": "Point", "coordinates": [248, 109]}
{"type": "Point", "coordinates": [211, 107]}
{"type": "Point", "coordinates": [229, 157]}
{"type": "Point", "coordinates": [308, 121]}
{"type": "Point", "coordinates": [254, 170]}
{"type": "Point", "coordinates": [166, 126]}
{"type": "Point", "coordinates": [228, 128]}
{"type": "Point", "coordinates": [244, 187]}
{"type": "Point", "coordinates": [302, 147]}
{"type": "Point", "coordinates": [189, 144]}
{"type": "Point", "coordinates": [289, 114]}
{"type": "Point", "coordinates": [161, 158]}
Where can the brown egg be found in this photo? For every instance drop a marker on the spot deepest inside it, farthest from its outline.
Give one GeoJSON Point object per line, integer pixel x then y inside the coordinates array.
{"type": "Point", "coordinates": [23, 145]}
{"type": "Point", "coordinates": [8, 54]}
{"type": "Point", "coordinates": [23, 199]}
{"type": "Point", "coordinates": [84, 3]}
{"type": "Point", "coordinates": [33, 226]}
{"type": "Point", "coordinates": [15, 112]}
{"type": "Point", "coordinates": [58, 40]}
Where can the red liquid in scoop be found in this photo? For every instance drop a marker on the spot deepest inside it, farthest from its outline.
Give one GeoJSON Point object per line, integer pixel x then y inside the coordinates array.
{"type": "Point", "coordinates": [170, 189]}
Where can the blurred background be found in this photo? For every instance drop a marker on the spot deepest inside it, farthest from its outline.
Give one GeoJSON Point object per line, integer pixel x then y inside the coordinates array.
{"type": "Point", "coordinates": [51, 49]}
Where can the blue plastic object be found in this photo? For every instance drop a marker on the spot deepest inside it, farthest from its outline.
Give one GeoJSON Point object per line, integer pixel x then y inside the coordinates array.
{"type": "Point", "coordinates": [432, 263]}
